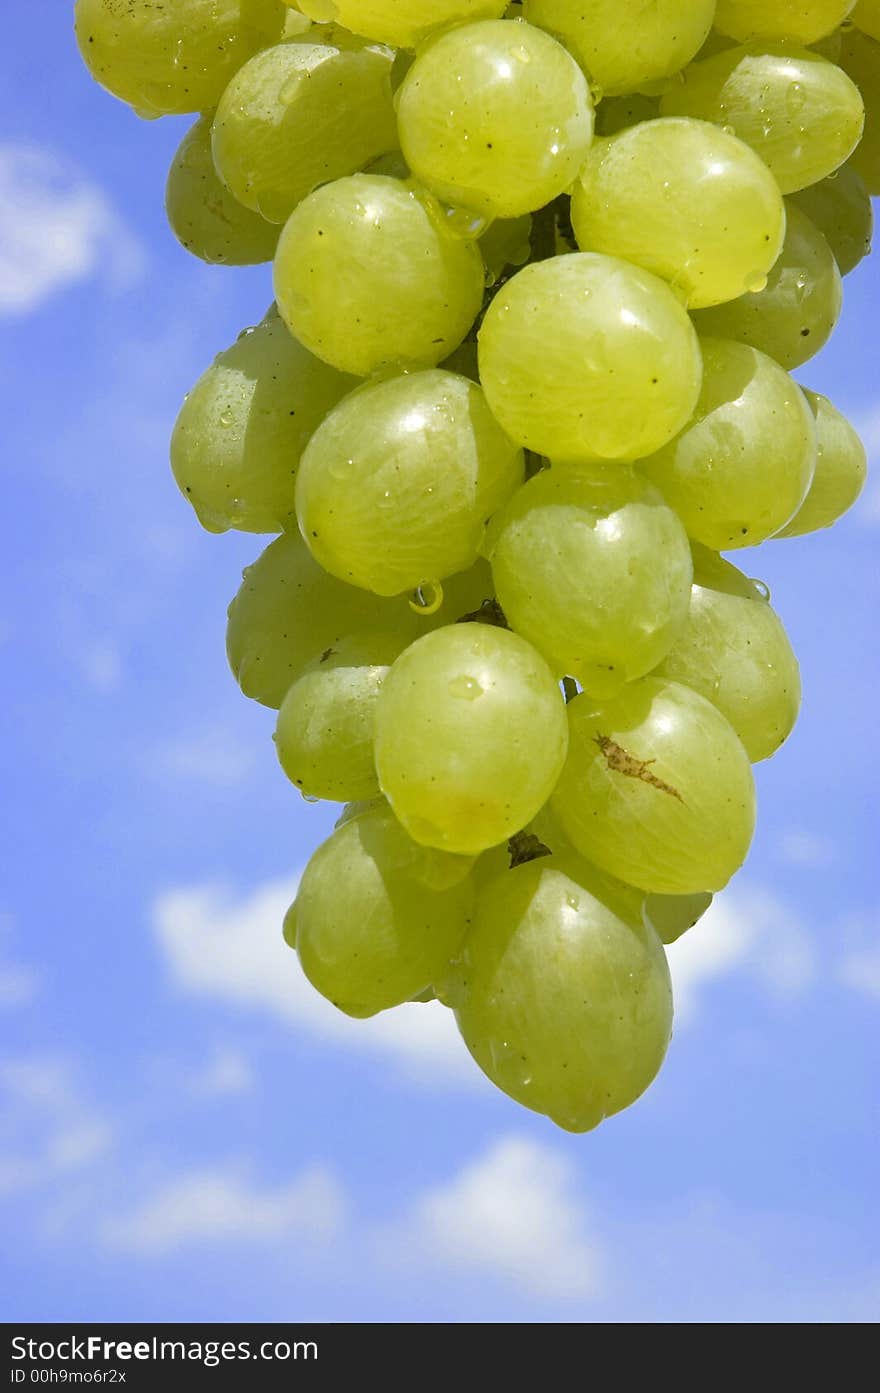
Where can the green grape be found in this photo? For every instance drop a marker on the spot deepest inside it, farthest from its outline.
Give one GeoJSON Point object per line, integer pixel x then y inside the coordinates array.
{"type": "Point", "coordinates": [367, 275]}
{"type": "Point", "coordinates": [288, 927]}
{"type": "Point", "coordinates": [618, 113]}
{"type": "Point", "coordinates": [799, 112]}
{"type": "Point", "coordinates": [840, 206]}
{"type": "Point", "coordinates": [377, 916]}
{"type": "Point", "coordinates": [860, 58]}
{"type": "Point", "coordinates": [670, 916]}
{"type": "Point", "coordinates": [288, 611]}
{"type": "Point", "coordinates": [297, 27]}
{"type": "Point", "coordinates": [594, 569]}
{"type": "Point", "coordinates": [743, 466]}
{"type": "Point", "coordinates": [623, 47]}
{"type": "Point", "coordinates": [361, 805]}
{"type": "Point", "coordinates": [866, 16]}
{"type": "Point", "coordinates": [841, 469]}
{"type": "Point", "coordinates": [585, 357]}
{"type": "Point", "coordinates": [470, 736]}
{"type": "Point", "coordinates": [172, 57]}
{"type": "Point", "coordinates": [802, 21]}
{"type": "Point", "coordinates": [506, 243]}
{"type": "Point", "coordinates": [496, 117]}
{"type": "Point", "coordinates": [299, 115]}
{"type": "Point", "coordinates": [204, 216]}
{"type": "Point", "coordinates": [561, 993]}
{"type": "Point", "coordinates": [629, 198]}
{"type": "Point", "coordinates": [396, 485]}
{"type": "Point", "coordinates": [657, 788]}
{"type": "Point", "coordinates": [402, 23]}
{"type": "Point", "coordinates": [324, 735]}
{"type": "Point", "coordinates": [795, 314]}
{"type": "Point", "coordinates": [734, 651]}
{"type": "Point", "coordinates": [241, 431]}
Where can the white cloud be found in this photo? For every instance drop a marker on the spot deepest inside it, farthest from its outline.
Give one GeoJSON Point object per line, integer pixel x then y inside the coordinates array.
{"type": "Point", "coordinates": [227, 1071]}
{"type": "Point", "coordinates": [101, 666]}
{"type": "Point", "coordinates": [514, 1214]}
{"type": "Point", "coordinates": [19, 984]}
{"type": "Point", "coordinates": [861, 970]}
{"type": "Point", "coordinates": [214, 756]}
{"type": "Point", "coordinates": [744, 930]}
{"type": "Point", "coordinates": [56, 228]}
{"type": "Point", "coordinates": [222, 1206]}
{"type": "Point", "coordinates": [800, 848]}
{"type": "Point", "coordinates": [47, 1127]}
{"type": "Point", "coordinates": [215, 946]}
{"type": "Point", "coordinates": [868, 427]}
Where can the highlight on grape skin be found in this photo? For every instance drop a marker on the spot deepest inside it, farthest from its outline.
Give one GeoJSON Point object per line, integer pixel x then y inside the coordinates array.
{"type": "Point", "coordinates": [542, 274]}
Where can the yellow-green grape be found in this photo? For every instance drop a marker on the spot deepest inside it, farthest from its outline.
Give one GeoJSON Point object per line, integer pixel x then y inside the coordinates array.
{"type": "Point", "coordinates": [866, 16]}
{"type": "Point", "coordinates": [377, 916]}
{"type": "Point", "coordinates": [402, 23]}
{"type": "Point", "coordinates": [470, 736]}
{"type": "Point", "coordinates": [734, 651]}
{"type": "Point", "coordinates": [799, 112]}
{"type": "Point", "coordinates": [795, 314]}
{"type": "Point", "coordinates": [561, 993]}
{"type": "Point", "coordinates": [506, 243]}
{"type": "Point", "coordinates": [594, 569]}
{"type": "Point", "coordinates": [324, 735]}
{"type": "Point", "coordinates": [618, 113]}
{"type": "Point", "coordinates": [204, 216]}
{"type": "Point", "coordinates": [860, 57]}
{"type": "Point", "coordinates": [741, 469]}
{"type": "Point", "coordinates": [368, 275]}
{"type": "Point", "coordinates": [176, 56]}
{"type": "Point", "coordinates": [496, 117]}
{"type": "Point", "coordinates": [670, 916]}
{"type": "Point", "coordinates": [623, 47]}
{"type": "Point", "coordinates": [237, 442]}
{"type": "Point", "coordinates": [288, 611]}
{"type": "Point", "coordinates": [802, 21]}
{"type": "Point", "coordinates": [629, 198]}
{"type": "Point", "coordinates": [397, 484]}
{"type": "Point", "coordinates": [841, 469]}
{"type": "Point", "coordinates": [840, 206]}
{"type": "Point", "coordinates": [657, 788]}
{"type": "Point", "coordinates": [299, 115]}
{"type": "Point", "coordinates": [288, 927]}
{"type": "Point", "coordinates": [585, 357]}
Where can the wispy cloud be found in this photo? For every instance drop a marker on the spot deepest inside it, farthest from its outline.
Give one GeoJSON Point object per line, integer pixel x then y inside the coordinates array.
{"type": "Point", "coordinates": [513, 1214]}
{"type": "Point", "coordinates": [859, 968]}
{"type": "Point", "coordinates": [47, 1126]}
{"type": "Point", "coordinates": [56, 228]}
{"type": "Point", "coordinates": [226, 1071]}
{"type": "Point", "coordinates": [798, 847]}
{"type": "Point", "coordinates": [19, 983]}
{"type": "Point", "coordinates": [231, 950]}
{"type": "Point", "coordinates": [212, 756]}
{"type": "Point", "coordinates": [745, 929]}
{"type": "Point", "coordinates": [224, 1206]}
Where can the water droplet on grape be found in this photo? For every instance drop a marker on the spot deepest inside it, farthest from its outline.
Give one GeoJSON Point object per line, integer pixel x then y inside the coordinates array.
{"type": "Point", "coordinates": [466, 687]}
{"type": "Point", "coordinates": [756, 281]}
{"type": "Point", "coordinates": [762, 589]}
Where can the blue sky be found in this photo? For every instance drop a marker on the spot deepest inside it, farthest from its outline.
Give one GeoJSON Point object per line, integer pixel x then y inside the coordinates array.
{"type": "Point", "coordinates": [186, 1131]}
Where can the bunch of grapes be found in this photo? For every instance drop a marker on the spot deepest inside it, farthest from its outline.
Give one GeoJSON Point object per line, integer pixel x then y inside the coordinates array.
{"type": "Point", "coordinates": [541, 273]}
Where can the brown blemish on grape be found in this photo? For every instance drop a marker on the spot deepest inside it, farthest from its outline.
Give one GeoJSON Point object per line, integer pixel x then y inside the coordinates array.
{"type": "Point", "coordinates": [621, 762]}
